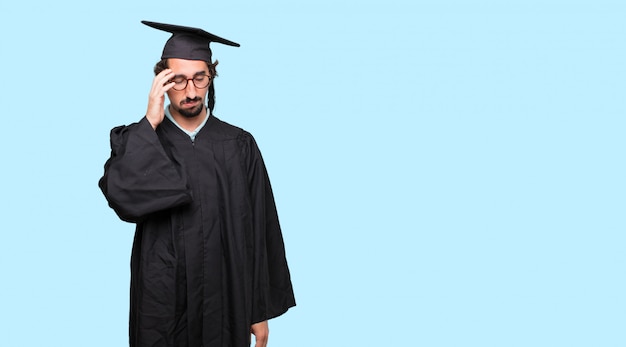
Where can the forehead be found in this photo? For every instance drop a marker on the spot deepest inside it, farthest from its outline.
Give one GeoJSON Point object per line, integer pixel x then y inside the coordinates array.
{"type": "Point", "coordinates": [187, 67]}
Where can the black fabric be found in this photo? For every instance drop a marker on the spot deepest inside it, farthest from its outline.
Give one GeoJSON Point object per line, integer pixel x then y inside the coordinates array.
{"type": "Point", "coordinates": [208, 257]}
{"type": "Point", "coordinates": [187, 42]}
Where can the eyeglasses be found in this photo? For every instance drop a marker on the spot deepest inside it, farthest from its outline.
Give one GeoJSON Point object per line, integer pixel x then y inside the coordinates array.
{"type": "Point", "coordinates": [199, 81]}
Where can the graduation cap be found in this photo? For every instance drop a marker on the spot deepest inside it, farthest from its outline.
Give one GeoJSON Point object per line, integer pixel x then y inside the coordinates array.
{"type": "Point", "coordinates": [188, 43]}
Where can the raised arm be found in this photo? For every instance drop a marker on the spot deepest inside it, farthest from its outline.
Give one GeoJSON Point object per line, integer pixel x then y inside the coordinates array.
{"type": "Point", "coordinates": [139, 178]}
{"type": "Point", "coordinates": [156, 99]}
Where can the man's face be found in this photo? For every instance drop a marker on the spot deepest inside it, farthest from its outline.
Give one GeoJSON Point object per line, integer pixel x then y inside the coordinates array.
{"type": "Point", "coordinates": [190, 101]}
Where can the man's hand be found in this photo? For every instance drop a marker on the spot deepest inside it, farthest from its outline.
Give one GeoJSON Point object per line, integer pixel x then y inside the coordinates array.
{"type": "Point", "coordinates": [261, 332]}
{"type": "Point", "coordinates": [156, 100]}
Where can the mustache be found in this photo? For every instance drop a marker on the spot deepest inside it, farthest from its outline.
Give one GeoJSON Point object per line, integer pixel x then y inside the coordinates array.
{"type": "Point", "coordinates": [190, 100]}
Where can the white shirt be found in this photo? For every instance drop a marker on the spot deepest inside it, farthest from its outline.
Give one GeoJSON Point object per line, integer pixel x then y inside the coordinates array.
{"type": "Point", "coordinates": [192, 134]}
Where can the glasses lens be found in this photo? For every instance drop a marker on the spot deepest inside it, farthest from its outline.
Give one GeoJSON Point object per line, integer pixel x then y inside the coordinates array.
{"type": "Point", "coordinates": [201, 81]}
{"type": "Point", "coordinates": [180, 83]}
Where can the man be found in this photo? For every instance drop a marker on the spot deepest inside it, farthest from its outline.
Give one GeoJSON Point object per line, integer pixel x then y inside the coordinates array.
{"type": "Point", "coordinates": [208, 264]}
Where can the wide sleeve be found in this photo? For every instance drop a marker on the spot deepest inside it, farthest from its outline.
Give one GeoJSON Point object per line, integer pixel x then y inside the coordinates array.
{"type": "Point", "coordinates": [272, 289]}
{"type": "Point", "coordinates": [139, 177]}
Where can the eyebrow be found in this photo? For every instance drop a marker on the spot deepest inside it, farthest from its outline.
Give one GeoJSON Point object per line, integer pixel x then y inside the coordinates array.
{"type": "Point", "coordinates": [194, 75]}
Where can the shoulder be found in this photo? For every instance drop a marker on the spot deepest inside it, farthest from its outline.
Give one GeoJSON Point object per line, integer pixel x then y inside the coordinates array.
{"type": "Point", "coordinates": [221, 130]}
{"type": "Point", "coordinates": [237, 138]}
{"type": "Point", "coordinates": [122, 129]}
{"type": "Point", "coordinates": [120, 135]}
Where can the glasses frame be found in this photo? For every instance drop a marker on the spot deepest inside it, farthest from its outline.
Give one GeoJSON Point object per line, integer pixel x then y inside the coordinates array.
{"type": "Point", "coordinates": [192, 79]}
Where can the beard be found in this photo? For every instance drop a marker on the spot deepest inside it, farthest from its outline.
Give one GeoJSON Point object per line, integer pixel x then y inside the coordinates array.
{"type": "Point", "coordinates": [191, 112]}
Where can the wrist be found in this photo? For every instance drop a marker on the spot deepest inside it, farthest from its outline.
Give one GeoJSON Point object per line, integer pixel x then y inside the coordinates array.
{"type": "Point", "coordinates": [152, 122]}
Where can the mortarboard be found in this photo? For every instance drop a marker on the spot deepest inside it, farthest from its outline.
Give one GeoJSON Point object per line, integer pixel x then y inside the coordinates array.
{"type": "Point", "coordinates": [188, 43]}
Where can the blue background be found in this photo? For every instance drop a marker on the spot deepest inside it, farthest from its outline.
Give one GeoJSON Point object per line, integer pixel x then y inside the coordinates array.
{"type": "Point", "coordinates": [447, 173]}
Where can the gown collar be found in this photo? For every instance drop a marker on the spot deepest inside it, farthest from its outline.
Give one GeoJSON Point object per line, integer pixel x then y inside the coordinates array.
{"type": "Point", "coordinates": [192, 134]}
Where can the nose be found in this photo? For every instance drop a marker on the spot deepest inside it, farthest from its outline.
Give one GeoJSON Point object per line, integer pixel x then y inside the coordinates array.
{"type": "Point", "coordinates": [190, 90]}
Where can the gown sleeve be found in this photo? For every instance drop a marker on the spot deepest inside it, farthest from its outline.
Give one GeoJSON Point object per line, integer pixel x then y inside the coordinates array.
{"type": "Point", "coordinates": [273, 293]}
{"type": "Point", "coordinates": [139, 177]}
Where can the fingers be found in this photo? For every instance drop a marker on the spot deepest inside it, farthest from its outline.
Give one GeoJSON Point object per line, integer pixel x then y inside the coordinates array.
{"type": "Point", "coordinates": [160, 85]}
{"type": "Point", "coordinates": [162, 82]}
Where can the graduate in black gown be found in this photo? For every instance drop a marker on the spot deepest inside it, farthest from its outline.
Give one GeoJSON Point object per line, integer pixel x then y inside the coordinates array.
{"type": "Point", "coordinates": [208, 265]}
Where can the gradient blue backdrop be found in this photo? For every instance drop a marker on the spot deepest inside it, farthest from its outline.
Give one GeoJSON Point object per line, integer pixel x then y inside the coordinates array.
{"type": "Point", "coordinates": [447, 173]}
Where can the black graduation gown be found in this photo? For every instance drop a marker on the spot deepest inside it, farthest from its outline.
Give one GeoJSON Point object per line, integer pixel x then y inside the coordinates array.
{"type": "Point", "coordinates": [208, 257]}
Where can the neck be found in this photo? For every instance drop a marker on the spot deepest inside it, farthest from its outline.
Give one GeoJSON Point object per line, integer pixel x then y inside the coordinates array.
{"type": "Point", "coordinates": [188, 123]}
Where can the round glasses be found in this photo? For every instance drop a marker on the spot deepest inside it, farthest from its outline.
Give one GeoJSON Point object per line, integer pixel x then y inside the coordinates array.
{"type": "Point", "coordinates": [200, 81]}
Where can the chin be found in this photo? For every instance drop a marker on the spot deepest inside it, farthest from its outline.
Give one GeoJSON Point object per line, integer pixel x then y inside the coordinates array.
{"type": "Point", "coordinates": [191, 113]}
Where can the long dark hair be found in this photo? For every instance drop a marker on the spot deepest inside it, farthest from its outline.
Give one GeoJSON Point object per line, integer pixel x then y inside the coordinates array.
{"type": "Point", "coordinates": [162, 65]}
